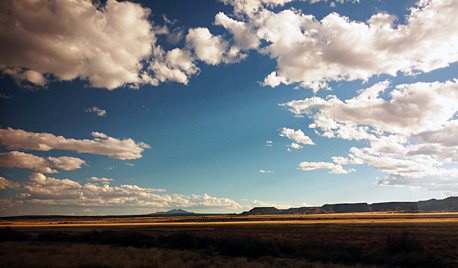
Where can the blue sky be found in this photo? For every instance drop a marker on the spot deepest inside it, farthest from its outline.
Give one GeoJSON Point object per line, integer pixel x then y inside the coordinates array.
{"type": "Point", "coordinates": [220, 106]}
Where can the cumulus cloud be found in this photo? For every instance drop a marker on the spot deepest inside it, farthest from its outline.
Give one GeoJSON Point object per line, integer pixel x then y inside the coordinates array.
{"type": "Point", "coordinates": [66, 162]}
{"type": "Point", "coordinates": [17, 159]}
{"type": "Point", "coordinates": [102, 144]}
{"type": "Point", "coordinates": [74, 39]}
{"type": "Point", "coordinates": [410, 132]}
{"type": "Point", "coordinates": [297, 136]}
{"type": "Point", "coordinates": [179, 64]}
{"type": "Point", "coordinates": [44, 190]}
{"type": "Point", "coordinates": [249, 7]}
{"type": "Point", "coordinates": [294, 146]}
{"type": "Point", "coordinates": [333, 168]}
{"type": "Point", "coordinates": [25, 75]}
{"type": "Point", "coordinates": [175, 65]}
{"type": "Point", "coordinates": [411, 108]}
{"type": "Point", "coordinates": [265, 171]}
{"type": "Point", "coordinates": [313, 52]}
{"type": "Point", "coordinates": [211, 49]}
{"type": "Point", "coordinates": [244, 38]}
{"type": "Point", "coordinates": [208, 48]}
{"type": "Point", "coordinates": [98, 111]}
{"type": "Point", "coordinates": [269, 143]}
{"type": "Point", "coordinates": [5, 184]}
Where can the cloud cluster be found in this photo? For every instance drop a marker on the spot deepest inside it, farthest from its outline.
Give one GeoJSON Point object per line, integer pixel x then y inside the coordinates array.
{"type": "Point", "coordinates": [179, 64]}
{"type": "Point", "coordinates": [411, 109]}
{"type": "Point", "coordinates": [17, 159]}
{"type": "Point", "coordinates": [250, 7]}
{"type": "Point", "coordinates": [44, 190]}
{"type": "Point", "coordinates": [75, 39]}
{"type": "Point", "coordinates": [16, 139]}
{"type": "Point", "coordinates": [175, 65]}
{"type": "Point", "coordinates": [313, 52]}
{"type": "Point", "coordinates": [114, 44]}
{"type": "Point", "coordinates": [297, 136]}
{"type": "Point", "coordinates": [411, 131]}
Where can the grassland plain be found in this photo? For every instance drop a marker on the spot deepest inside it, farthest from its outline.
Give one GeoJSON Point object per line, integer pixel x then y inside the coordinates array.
{"type": "Point", "coordinates": [330, 240]}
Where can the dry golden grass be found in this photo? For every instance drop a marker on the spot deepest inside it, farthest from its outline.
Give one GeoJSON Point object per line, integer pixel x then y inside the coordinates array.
{"type": "Point", "coordinates": [288, 219]}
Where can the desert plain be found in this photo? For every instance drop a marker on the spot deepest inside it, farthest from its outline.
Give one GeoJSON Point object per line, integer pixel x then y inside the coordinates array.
{"type": "Point", "coordinates": [381, 239]}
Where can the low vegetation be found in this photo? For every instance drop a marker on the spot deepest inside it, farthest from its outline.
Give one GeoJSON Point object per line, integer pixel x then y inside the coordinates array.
{"type": "Point", "coordinates": [401, 250]}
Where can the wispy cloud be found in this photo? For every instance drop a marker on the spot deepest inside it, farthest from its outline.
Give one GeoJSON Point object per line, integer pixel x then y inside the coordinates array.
{"type": "Point", "coordinates": [98, 111]}
{"type": "Point", "coordinates": [101, 143]}
{"type": "Point", "coordinates": [4, 96]}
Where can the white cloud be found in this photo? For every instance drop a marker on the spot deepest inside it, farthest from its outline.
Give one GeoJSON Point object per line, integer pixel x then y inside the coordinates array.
{"type": "Point", "coordinates": [333, 168]}
{"type": "Point", "coordinates": [265, 171]}
{"type": "Point", "coordinates": [102, 144]}
{"type": "Point", "coordinates": [98, 111]}
{"type": "Point", "coordinates": [17, 159]}
{"type": "Point", "coordinates": [411, 132]}
{"type": "Point", "coordinates": [412, 108]}
{"type": "Point", "coordinates": [44, 190]}
{"type": "Point", "coordinates": [297, 136]}
{"type": "Point", "coordinates": [294, 146]}
{"type": "Point", "coordinates": [269, 143]}
{"type": "Point", "coordinates": [248, 7]}
{"type": "Point", "coordinates": [66, 162]}
{"type": "Point", "coordinates": [74, 39]}
{"type": "Point", "coordinates": [208, 48]}
{"type": "Point", "coordinates": [5, 184]}
{"type": "Point", "coordinates": [102, 180]}
{"type": "Point", "coordinates": [244, 38]}
{"type": "Point", "coordinates": [24, 160]}
{"type": "Point", "coordinates": [175, 65]}
{"type": "Point", "coordinates": [313, 52]}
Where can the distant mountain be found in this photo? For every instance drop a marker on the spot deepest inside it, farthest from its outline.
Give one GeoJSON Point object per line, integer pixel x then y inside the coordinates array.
{"type": "Point", "coordinates": [173, 212]}
{"type": "Point", "coordinates": [449, 204]}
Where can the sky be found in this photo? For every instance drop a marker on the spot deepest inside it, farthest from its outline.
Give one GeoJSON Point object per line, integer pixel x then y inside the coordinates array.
{"type": "Point", "coordinates": [218, 106]}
